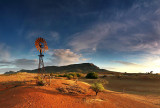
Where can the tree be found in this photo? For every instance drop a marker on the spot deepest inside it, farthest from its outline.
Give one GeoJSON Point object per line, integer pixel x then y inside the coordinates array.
{"type": "Point", "coordinates": [97, 87]}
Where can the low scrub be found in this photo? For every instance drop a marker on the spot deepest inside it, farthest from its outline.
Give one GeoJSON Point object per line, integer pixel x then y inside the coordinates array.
{"type": "Point", "coordinates": [51, 74]}
{"type": "Point", "coordinates": [92, 75]}
{"type": "Point", "coordinates": [80, 75]}
{"type": "Point", "coordinates": [72, 90]}
{"type": "Point", "coordinates": [70, 77]}
{"type": "Point", "coordinates": [40, 81]}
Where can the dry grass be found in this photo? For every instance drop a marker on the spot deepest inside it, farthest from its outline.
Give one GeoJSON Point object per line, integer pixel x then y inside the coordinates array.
{"type": "Point", "coordinates": [72, 90]}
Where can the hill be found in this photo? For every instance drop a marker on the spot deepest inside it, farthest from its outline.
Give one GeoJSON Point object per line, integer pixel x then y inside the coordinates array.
{"type": "Point", "coordinates": [83, 68]}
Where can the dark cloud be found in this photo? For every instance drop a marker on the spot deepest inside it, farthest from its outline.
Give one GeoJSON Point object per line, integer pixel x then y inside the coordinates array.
{"type": "Point", "coordinates": [27, 63]}
{"type": "Point", "coordinates": [2, 70]}
{"type": "Point", "coordinates": [5, 62]}
{"type": "Point", "coordinates": [3, 65]}
{"type": "Point", "coordinates": [128, 63]}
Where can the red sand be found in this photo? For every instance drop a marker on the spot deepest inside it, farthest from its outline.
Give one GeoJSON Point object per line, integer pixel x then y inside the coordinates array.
{"type": "Point", "coordinates": [31, 96]}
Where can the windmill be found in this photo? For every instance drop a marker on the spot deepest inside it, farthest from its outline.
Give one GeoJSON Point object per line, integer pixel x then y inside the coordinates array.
{"type": "Point", "coordinates": [42, 47]}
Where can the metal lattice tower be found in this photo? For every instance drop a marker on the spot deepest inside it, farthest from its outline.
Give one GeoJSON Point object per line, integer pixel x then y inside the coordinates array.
{"type": "Point", "coordinates": [42, 47]}
{"type": "Point", "coordinates": [41, 68]}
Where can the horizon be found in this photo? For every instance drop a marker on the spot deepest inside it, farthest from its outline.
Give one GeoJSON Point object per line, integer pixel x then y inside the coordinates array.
{"type": "Point", "coordinates": [122, 36]}
{"type": "Point", "coordinates": [73, 64]}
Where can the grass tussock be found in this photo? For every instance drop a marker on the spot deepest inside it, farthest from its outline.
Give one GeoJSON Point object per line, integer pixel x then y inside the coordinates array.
{"type": "Point", "coordinates": [72, 90]}
{"type": "Point", "coordinates": [41, 81]}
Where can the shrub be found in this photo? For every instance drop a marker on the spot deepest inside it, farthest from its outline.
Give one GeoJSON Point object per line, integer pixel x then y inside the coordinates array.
{"type": "Point", "coordinates": [51, 74]}
{"type": "Point", "coordinates": [56, 75]}
{"type": "Point", "coordinates": [40, 81]}
{"type": "Point", "coordinates": [70, 77]}
{"type": "Point", "coordinates": [97, 87]}
{"type": "Point", "coordinates": [104, 76]}
{"type": "Point", "coordinates": [60, 75]}
{"type": "Point", "coordinates": [72, 90]}
{"type": "Point", "coordinates": [79, 74]}
{"type": "Point", "coordinates": [75, 76]}
{"type": "Point", "coordinates": [92, 75]}
{"type": "Point", "coordinates": [65, 75]}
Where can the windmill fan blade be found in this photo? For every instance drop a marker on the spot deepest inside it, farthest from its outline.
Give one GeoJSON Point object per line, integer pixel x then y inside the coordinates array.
{"type": "Point", "coordinates": [41, 42]}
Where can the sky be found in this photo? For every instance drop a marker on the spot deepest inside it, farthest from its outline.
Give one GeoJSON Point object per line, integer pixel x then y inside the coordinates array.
{"type": "Point", "coordinates": [117, 35]}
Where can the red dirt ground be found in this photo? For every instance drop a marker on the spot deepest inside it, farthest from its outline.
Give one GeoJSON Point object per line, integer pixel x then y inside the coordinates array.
{"type": "Point", "coordinates": [28, 95]}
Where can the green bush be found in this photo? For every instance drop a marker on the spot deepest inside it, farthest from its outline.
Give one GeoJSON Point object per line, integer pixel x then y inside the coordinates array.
{"type": "Point", "coordinates": [56, 75]}
{"type": "Point", "coordinates": [97, 87]}
{"type": "Point", "coordinates": [73, 74]}
{"type": "Point", "coordinates": [60, 75]}
{"type": "Point", "coordinates": [70, 77]}
{"type": "Point", "coordinates": [92, 75]}
{"type": "Point", "coordinates": [65, 75]}
{"type": "Point", "coordinates": [79, 74]}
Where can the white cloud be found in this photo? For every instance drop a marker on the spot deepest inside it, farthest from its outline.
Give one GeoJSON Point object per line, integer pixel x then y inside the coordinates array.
{"type": "Point", "coordinates": [91, 38]}
{"type": "Point", "coordinates": [65, 57]}
{"type": "Point", "coordinates": [134, 32]}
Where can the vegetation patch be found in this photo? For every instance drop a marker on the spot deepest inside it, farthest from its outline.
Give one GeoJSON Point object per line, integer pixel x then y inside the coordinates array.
{"type": "Point", "coordinates": [40, 81]}
{"type": "Point", "coordinates": [97, 87]}
{"type": "Point", "coordinates": [92, 75]}
{"type": "Point", "coordinates": [70, 77]}
{"type": "Point", "coordinates": [72, 90]}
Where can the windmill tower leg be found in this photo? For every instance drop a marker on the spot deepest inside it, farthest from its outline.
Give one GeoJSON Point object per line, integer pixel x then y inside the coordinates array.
{"type": "Point", "coordinates": [41, 69]}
